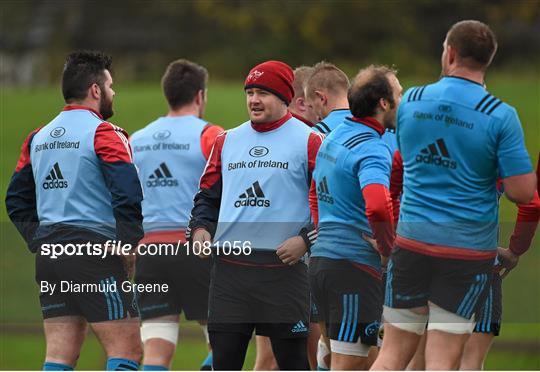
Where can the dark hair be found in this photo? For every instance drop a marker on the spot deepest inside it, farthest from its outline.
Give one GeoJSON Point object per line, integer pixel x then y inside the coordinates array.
{"type": "Point", "coordinates": [474, 43]}
{"type": "Point", "coordinates": [327, 76]}
{"type": "Point", "coordinates": [182, 81]}
{"type": "Point", "coordinates": [81, 70]}
{"type": "Point", "coordinates": [368, 87]}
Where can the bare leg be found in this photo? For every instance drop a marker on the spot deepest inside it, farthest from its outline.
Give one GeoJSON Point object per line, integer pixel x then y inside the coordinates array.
{"type": "Point", "coordinates": [475, 351]}
{"type": "Point", "coordinates": [313, 340]}
{"type": "Point", "coordinates": [443, 350]}
{"type": "Point", "coordinates": [418, 362]}
{"type": "Point", "coordinates": [397, 349]}
{"type": "Point", "coordinates": [120, 338]}
{"type": "Point", "coordinates": [341, 362]}
{"type": "Point", "coordinates": [64, 337]}
{"type": "Point", "coordinates": [265, 360]}
{"type": "Point", "coordinates": [158, 351]}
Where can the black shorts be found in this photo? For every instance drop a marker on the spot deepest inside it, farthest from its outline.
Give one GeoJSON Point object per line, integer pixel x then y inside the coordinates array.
{"type": "Point", "coordinates": [273, 300]}
{"type": "Point", "coordinates": [188, 279]}
{"type": "Point", "coordinates": [349, 299]}
{"type": "Point", "coordinates": [456, 285]}
{"type": "Point", "coordinates": [490, 315]}
{"type": "Point", "coordinates": [314, 312]}
{"type": "Point", "coordinates": [88, 286]}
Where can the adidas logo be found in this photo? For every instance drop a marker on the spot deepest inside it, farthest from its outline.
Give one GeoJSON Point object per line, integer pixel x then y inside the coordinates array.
{"type": "Point", "coordinates": [436, 154]}
{"type": "Point", "coordinates": [323, 194]}
{"type": "Point", "coordinates": [161, 177]}
{"type": "Point", "coordinates": [55, 179]}
{"type": "Point", "coordinates": [253, 197]}
{"type": "Point", "coordinates": [299, 327]}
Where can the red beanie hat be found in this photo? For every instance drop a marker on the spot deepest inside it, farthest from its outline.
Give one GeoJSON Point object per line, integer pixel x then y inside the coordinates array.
{"type": "Point", "coordinates": [274, 76]}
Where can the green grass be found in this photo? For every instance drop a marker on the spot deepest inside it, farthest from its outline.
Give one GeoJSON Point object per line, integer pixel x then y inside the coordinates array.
{"type": "Point", "coordinates": [22, 110]}
{"type": "Point", "coordinates": [26, 351]}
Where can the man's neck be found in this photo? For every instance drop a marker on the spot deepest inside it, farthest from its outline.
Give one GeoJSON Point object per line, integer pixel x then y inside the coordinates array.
{"type": "Point", "coordinates": [474, 75]}
{"type": "Point", "coordinates": [91, 104]}
{"type": "Point", "coordinates": [338, 104]}
{"type": "Point", "coordinates": [184, 111]}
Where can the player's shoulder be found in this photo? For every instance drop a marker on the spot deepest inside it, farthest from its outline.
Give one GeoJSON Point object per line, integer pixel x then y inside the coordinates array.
{"type": "Point", "coordinates": [490, 105]}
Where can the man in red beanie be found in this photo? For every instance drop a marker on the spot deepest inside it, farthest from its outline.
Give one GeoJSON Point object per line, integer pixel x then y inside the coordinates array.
{"type": "Point", "coordinates": [252, 213]}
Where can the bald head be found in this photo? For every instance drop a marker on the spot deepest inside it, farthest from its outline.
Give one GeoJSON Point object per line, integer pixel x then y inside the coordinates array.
{"type": "Point", "coordinates": [369, 86]}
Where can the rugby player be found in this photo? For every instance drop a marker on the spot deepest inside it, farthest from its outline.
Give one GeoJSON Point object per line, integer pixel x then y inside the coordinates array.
{"type": "Point", "coordinates": [488, 324]}
{"type": "Point", "coordinates": [171, 154]}
{"type": "Point", "coordinates": [75, 183]}
{"type": "Point", "coordinates": [265, 360]}
{"type": "Point", "coordinates": [352, 175]}
{"type": "Point", "coordinates": [255, 192]}
{"type": "Point", "coordinates": [455, 139]}
{"type": "Point", "coordinates": [298, 106]}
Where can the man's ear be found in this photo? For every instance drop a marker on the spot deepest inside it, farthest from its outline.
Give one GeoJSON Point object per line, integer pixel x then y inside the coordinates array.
{"type": "Point", "coordinates": [384, 105]}
{"type": "Point", "coordinates": [301, 103]}
{"type": "Point", "coordinates": [451, 54]}
{"type": "Point", "coordinates": [200, 97]}
{"type": "Point", "coordinates": [320, 95]}
{"type": "Point", "coordinates": [94, 92]}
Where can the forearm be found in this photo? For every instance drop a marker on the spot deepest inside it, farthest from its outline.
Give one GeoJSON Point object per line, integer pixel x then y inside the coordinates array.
{"type": "Point", "coordinates": [526, 225]}
{"type": "Point", "coordinates": [380, 217]}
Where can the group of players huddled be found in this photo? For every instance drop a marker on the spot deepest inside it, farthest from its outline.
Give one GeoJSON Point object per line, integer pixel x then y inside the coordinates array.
{"type": "Point", "coordinates": [338, 212]}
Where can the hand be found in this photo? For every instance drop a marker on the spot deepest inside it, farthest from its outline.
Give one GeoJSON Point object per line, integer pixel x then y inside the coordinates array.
{"type": "Point", "coordinates": [508, 261]}
{"type": "Point", "coordinates": [200, 237]}
{"type": "Point", "coordinates": [291, 250]}
{"type": "Point", "coordinates": [129, 264]}
{"type": "Point", "coordinates": [373, 243]}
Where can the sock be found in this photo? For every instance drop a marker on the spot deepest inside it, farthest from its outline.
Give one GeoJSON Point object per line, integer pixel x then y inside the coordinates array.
{"type": "Point", "coordinates": [121, 364]}
{"type": "Point", "coordinates": [207, 363]}
{"type": "Point", "coordinates": [319, 368]}
{"type": "Point", "coordinates": [149, 367]}
{"type": "Point", "coordinates": [51, 366]}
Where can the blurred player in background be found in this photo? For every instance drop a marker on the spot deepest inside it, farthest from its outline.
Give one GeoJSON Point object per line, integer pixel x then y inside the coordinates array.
{"type": "Point", "coordinates": [265, 360]}
{"type": "Point", "coordinates": [171, 154]}
{"type": "Point", "coordinates": [75, 183]}
{"type": "Point", "coordinates": [352, 175]}
{"type": "Point", "coordinates": [255, 191]}
{"type": "Point", "coordinates": [455, 140]}
{"type": "Point", "coordinates": [298, 106]}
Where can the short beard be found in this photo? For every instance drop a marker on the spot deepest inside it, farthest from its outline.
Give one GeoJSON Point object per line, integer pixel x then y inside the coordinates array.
{"type": "Point", "coordinates": [105, 107]}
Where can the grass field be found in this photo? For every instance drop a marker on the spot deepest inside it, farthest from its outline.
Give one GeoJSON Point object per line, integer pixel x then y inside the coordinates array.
{"type": "Point", "coordinates": [21, 110]}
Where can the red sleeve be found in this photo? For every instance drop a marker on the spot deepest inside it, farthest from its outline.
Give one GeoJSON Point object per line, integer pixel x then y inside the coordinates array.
{"type": "Point", "coordinates": [526, 224]}
{"type": "Point", "coordinates": [396, 184]}
{"type": "Point", "coordinates": [24, 157]}
{"type": "Point", "coordinates": [212, 171]}
{"type": "Point", "coordinates": [314, 143]}
{"type": "Point", "coordinates": [313, 203]}
{"type": "Point", "coordinates": [379, 214]}
{"type": "Point", "coordinates": [111, 144]}
{"type": "Point", "coordinates": [208, 136]}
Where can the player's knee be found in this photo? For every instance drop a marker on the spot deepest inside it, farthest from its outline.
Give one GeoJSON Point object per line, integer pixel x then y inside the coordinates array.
{"type": "Point", "coordinates": [406, 319]}
{"type": "Point", "coordinates": [446, 321]}
{"type": "Point", "coordinates": [167, 331]}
